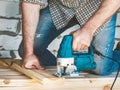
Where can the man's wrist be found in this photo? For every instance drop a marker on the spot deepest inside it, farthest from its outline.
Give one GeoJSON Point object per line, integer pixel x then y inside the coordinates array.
{"type": "Point", "coordinates": [28, 54]}
{"type": "Point", "coordinates": [90, 28]}
{"type": "Point", "coordinates": [28, 51]}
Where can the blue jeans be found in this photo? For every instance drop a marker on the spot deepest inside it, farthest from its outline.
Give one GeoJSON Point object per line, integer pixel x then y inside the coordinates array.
{"type": "Point", "coordinates": [104, 43]}
{"type": "Point", "coordinates": [46, 33]}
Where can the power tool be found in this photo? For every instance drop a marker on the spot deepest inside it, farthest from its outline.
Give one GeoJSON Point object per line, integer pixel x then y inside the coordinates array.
{"type": "Point", "coordinates": [69, 62]}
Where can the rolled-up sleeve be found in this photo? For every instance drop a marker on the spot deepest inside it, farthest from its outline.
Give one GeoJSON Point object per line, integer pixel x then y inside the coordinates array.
{"type": "Point", "coordinates": [42, 3]}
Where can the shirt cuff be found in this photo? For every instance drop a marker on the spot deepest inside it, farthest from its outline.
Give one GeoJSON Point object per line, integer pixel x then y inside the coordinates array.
{"type": "Point", "coordinates": [42, 3]}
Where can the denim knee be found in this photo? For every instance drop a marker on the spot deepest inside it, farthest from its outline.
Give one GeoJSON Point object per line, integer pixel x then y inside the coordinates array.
{"type": "Point", "coordinates": [105, 46]}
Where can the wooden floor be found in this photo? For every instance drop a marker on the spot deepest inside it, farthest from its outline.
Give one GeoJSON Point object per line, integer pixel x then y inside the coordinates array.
{"type": "Point", "coordinates": [13, 77]}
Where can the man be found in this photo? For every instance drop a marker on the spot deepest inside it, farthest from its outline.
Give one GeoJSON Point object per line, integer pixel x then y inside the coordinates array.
{"type": "Point", "coordinates": [44, 20]}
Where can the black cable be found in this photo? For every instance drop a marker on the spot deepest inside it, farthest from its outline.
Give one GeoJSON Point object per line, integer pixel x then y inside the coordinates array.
{"type": "Point", "coordinates": [98, 53]}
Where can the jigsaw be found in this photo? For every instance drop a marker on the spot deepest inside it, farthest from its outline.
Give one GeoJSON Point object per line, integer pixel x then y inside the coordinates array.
{"type": "Point", "coordinates": [69, 62]}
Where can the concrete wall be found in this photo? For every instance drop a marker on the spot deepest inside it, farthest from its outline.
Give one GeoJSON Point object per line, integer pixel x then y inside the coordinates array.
{"type": "Point", "coordinates": [10, 30]}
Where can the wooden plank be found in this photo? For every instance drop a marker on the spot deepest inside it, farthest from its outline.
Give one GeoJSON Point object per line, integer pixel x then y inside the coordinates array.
{"type": "Point", "coordinates": [45, 73]}
{"type": "Point", "coordinates": [6, 62]}
{"type": "Point", "coordinates": [56, 88]}
{"type": "Point", "coordinates": [11, 78]}
{"type": "Point", "coordinates": [14, 77]}
{"type": "Point", "coordinates": [39, 88]}
{"type": "Point", "coordinates": [3, 64]}
{"type": "Point", "coordinates": [5, 69]}
{"type": "Point", "coordinates": [35, 75]}
{"type": "Point", "coordinates": [10, 73]}
{"type": "Point", "coordinates": [88, 82]}
{"type": "Point", "coordinates": [17, 82]}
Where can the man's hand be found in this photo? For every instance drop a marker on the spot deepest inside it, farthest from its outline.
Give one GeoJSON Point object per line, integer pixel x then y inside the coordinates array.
{"type": "Point", "coordinates": [81, 39]}
{"type": "Point", "coordinates": [31, 62]}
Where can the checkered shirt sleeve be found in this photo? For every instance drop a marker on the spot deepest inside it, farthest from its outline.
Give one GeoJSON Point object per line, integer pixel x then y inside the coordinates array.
{"type": "Point", "coordinates": [61, 15]}
{"type": "Point", "coordinates": [42, 3]}
{"type": "Point", "coordinates": [62, 11]}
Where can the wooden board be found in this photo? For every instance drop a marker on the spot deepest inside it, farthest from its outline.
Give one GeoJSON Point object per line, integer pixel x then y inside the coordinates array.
{"type": "Point", "coordinates": [9, 77]}
{"type": "Point", "coordinates": [13, 77]}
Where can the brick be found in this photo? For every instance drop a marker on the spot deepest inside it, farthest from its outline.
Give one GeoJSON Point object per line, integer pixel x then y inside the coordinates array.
{"type": "Point", "coordinates": [9, 42]}
{"type": "Point", "coordinates": [9, 25]}
{"type": "Point", "coordinates": [9, 8]}
{"type": "Point", "coordinates": [117, 31]}
{"type": "Point", "coordinates": [118, 19]}
{"type": "Point", "coordinates": [10, 54]}
{"type": "Point", "coordinates": [117, 34]}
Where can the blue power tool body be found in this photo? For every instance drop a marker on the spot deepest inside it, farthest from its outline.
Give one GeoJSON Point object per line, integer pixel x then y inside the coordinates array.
{"type": "Point", "coordinates": [83, 60]}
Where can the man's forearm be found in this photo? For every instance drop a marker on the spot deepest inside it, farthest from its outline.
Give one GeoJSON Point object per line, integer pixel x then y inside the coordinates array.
{"type": "Point", "coordinates": [30, 17]}
{"type": "Point", "coordinates": [103, 14]}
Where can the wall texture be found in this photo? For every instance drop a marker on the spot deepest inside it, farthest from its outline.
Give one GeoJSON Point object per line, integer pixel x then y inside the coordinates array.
{"type": "Point", "coordinates": [10, 30]}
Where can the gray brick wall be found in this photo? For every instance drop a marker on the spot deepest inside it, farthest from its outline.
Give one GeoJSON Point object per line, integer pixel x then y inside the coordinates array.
{"type": "Point", "coordinates": [10, 30]}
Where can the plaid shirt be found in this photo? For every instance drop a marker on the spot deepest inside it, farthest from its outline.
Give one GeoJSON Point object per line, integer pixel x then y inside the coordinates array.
{"type": "Point", "coordinates": [63, 10]}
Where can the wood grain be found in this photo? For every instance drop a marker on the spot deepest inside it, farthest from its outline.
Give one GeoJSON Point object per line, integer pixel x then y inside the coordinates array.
{"type": "Point", "coordinates": [18, 78]}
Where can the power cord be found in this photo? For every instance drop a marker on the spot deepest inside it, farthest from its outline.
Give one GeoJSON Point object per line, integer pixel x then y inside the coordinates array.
{"type": "Point", "coordinates": [100, 54]}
